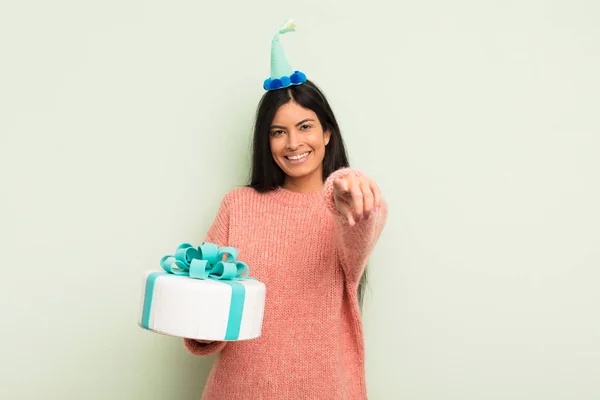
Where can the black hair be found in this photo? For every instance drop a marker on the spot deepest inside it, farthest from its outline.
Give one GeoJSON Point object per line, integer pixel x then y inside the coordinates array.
{"type": "Point", "coordinates": [265, 174]}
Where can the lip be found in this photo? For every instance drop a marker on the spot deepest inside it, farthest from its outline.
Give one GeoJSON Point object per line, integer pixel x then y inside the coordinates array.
{"type": "Point", "coordinates": [300, 161]}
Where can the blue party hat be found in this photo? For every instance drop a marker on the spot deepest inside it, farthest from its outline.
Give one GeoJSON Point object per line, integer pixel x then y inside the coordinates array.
{"type": "Point", "coordinates": [282, 74]}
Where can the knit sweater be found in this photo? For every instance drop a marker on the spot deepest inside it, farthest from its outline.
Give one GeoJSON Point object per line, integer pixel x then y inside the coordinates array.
{"type": "Point", "coordinates": [311, 261]}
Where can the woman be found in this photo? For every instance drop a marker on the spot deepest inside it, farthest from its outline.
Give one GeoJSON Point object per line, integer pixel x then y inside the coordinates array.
{"type": "Point", "coordinates": [306, 225]}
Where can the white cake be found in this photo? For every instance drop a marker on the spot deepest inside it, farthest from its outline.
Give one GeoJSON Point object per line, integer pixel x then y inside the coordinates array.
{"type": "Point", "coordinates": [200, 309]}
{"type": "Point", "coordinates": [206, 308]}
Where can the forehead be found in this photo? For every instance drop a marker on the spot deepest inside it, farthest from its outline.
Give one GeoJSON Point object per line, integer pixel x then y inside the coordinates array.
{"type": "Point", "coordinates": [291, 113]}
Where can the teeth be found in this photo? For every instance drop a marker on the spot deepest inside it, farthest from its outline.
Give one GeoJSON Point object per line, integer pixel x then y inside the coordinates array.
{"type": "Point", "coordinates": [298, 156]}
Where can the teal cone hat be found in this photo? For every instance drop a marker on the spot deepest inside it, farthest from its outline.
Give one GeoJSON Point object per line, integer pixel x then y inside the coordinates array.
{"type": "Point", "coordinates": [282, 74]}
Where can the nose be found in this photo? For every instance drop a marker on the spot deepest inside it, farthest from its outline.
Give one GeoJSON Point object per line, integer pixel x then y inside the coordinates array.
{"type": "Point", "coordinates": [293, 140]}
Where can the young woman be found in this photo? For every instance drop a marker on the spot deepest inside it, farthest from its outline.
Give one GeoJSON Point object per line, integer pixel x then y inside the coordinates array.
{"type": "Point", "coordinates": [306, 225]}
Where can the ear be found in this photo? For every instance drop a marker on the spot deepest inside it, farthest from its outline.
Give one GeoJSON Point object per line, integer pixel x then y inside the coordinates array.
{"type": "Point", "coordinates": [326, 136]}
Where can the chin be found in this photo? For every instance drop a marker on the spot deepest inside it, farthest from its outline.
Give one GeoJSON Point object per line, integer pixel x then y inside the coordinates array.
{"type": "Point", "coordinates": [297, 172]}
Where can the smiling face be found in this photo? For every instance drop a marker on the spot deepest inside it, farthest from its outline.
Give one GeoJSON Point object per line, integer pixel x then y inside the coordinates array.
{"type": "Point", "coordinates": [297, 142]}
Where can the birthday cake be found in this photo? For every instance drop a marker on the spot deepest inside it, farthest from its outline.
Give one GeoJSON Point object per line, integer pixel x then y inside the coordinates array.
{"type": "Point", "coordinates": [203, 293]}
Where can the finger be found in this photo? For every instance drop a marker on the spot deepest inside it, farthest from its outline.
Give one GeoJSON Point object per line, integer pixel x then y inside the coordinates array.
{"type": "Point", "coordinates": [340, 186]}
{"type": "Point", "coordinates": [345, 210]}
{"type": "Point", "coordinates": [376, 195]}
{"type": "Point", "coordinates": [350, 217]}
{"type": "Point", "coordinates": [357, 198]}
{"type": "Point", "coordinates": [368, 198]}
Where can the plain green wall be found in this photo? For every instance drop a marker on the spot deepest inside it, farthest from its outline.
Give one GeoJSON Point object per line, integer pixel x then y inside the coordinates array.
{"type": "Point", "coordinates": [123, 123]}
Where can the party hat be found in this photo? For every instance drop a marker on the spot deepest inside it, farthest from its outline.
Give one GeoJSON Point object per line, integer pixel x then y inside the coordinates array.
{"type": "Point", "coordinates": [282, 74]}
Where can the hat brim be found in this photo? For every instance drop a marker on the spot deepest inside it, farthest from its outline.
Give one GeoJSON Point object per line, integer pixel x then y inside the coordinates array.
{"type": "Point", "coordinates": [297, 78]}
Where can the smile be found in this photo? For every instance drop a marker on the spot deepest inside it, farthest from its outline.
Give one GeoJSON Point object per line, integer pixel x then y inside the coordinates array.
{"type": "Point", "coordinates": [298, 157]}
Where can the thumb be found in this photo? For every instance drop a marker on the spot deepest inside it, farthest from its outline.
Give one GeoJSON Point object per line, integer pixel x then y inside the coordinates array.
{"type": "Point", "coordinates": [340, 186]}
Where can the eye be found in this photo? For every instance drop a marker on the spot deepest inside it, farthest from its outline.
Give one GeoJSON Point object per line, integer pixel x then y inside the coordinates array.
{"type": "Point", "coordinates": [305, 127]}
{"type": "Point", "coordinates": [277, 133]}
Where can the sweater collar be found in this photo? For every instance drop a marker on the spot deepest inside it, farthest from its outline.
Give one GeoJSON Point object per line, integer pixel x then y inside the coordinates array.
{"type": "Point", "coordinates": [285, 196]}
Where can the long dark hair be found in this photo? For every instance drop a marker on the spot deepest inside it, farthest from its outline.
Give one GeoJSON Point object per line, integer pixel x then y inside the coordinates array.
{"type": "Point", "coordinates": [266, 174]}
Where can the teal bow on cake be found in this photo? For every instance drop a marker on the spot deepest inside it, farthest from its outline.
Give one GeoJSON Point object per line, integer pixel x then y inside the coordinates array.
{"type": "Point", "coordinates": [208, 261]}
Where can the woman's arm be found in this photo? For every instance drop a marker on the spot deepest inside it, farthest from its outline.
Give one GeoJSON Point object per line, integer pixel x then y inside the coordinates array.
{"type": "Point", "coordinates": [359, 213]}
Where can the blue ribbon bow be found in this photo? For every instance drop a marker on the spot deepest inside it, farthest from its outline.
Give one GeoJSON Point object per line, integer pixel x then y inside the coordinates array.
{"type": "Point", "coordinates": [208, 261]}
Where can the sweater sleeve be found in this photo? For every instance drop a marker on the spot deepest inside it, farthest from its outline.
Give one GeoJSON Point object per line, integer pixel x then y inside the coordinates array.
{"type": "Point", "coordinates": [218, 234]}
{"type": "Point", "coordinates": [354, 244]}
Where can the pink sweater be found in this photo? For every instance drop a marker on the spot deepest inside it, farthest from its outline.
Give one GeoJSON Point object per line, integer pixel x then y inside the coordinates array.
{"type": "Point", "coordinates": [311, 261]}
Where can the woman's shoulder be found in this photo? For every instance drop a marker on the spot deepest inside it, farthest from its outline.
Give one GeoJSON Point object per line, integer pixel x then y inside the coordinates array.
{"type": "Point", "coordinates": [241, 191]}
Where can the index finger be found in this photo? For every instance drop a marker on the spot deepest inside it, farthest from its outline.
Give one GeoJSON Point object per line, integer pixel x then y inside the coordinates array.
{"type": "Point", "coordinates": [357, 197]}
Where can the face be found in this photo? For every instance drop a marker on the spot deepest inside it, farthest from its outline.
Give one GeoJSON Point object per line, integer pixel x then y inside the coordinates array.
{"type": "Point", "coordinates": [298, 141]}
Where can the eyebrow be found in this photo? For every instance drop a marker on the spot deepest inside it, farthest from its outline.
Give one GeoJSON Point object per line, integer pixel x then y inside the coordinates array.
{"type": "Point", "coordinates": [298, 124]}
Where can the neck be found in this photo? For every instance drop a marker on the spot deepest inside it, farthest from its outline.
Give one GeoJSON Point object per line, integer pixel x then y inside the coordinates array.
{"type": "Point", "coordinates": [304, 184]}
